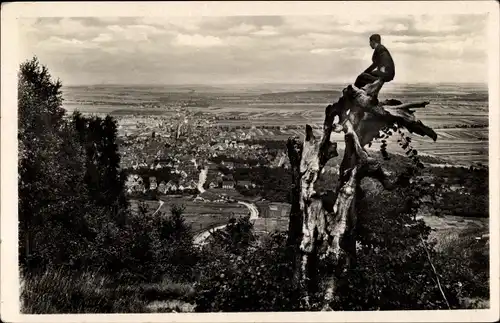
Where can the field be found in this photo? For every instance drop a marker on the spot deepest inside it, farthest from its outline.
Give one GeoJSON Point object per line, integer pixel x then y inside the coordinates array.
{"type": "Point", "coordinates": [453, 109]}
{"type": "Point", "coordinates": [271, 225]}
{"type": "Point", "coordinates": [199, 214]}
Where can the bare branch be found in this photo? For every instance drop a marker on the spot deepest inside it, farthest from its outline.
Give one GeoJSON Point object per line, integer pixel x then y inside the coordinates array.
{"type": "Point", "coordinates": [392, 114]}
{"type": "Point", "coordinates": [410, 105]}
{"type": "Point", "coordinates": [372, 89]}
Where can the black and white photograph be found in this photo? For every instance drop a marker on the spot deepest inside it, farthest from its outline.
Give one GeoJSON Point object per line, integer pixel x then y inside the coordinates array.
{"type": "Point", "coordinates": [327, 158]}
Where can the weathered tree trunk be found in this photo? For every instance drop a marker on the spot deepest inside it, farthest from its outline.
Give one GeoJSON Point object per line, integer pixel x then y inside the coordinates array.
{"type": "Point", "coordinates": [321, 230]}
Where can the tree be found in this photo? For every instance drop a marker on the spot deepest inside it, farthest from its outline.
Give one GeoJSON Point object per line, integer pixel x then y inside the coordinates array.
{"type": "Point", "coordinates": [323, 227]}
{"type": "Point", "coordinates": [105, 180]}
{"type": "Point", "coordinates": [236, 237]}
{"type": "Point", "coordinates": [51, 198]}
{"type": "Point", "coordinates": [70, 186]}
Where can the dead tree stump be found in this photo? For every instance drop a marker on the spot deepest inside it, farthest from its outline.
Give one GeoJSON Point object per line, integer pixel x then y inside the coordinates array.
{"type": "Point", "coordinates": [320, 231]}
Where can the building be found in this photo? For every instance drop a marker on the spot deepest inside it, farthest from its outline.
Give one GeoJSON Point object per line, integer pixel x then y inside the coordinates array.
{"type": "Point", "coordinates": [152, 183]}
{"type": "Point", "coordinates": [192, 184]}
{"type": "Point", "coordinates": [230, 165]}
{"type": "Point", "coordinates": [275, 210]}
{"type": "Point", "coordinates": [170, 186]}
{"type": "Point", "coordinates": [279, 210]}
{"type": "Point", "coordinates": [245, 184]}
{"type": "Point", "coordinates": [134, 183]}
{"type": "Point", "coordinates": [228, 182]}
{"type": "Point", "coordinates": [162, 188]}
{"type": "Point", "coordinates": [132, 180]}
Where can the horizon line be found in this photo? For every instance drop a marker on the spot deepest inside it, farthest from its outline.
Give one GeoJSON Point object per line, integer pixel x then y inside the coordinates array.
{"type": "Point", "coordinates": [264, 83]}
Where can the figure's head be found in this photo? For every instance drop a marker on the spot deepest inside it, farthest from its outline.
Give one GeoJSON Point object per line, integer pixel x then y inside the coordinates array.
{"type": "Point", "coordinates": [374, 40]}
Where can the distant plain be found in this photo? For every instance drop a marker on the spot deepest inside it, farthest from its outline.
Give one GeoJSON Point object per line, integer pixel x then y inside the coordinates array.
{"type": "Point", "coordinates": [457, 112]}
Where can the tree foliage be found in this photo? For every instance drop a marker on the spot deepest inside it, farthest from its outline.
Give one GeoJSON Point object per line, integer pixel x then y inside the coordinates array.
{"type": "Point", "coordinates": [70, 186]}
{"type": "Point", "coordinates": [249, 279]}
{"type": "Point", "coordinates": [51, 172]}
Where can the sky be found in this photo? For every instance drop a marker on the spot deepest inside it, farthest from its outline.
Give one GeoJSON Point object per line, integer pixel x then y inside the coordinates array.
{"type": "Point", "coordinates": [255, 49]}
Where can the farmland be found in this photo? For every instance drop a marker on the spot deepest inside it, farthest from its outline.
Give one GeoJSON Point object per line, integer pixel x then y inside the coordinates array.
{"type": "Point", "coordinates": [199, 214]}
{"type": "Point", "coordinates": [278, 111]}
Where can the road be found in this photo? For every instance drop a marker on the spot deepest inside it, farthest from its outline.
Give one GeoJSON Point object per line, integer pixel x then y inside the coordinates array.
{"type": "Point", "coordinates": [254, 212]}
{"type": "Point", "coordinates": [200, 238]}
{"type": "Point", "coordinates": [159, 207]}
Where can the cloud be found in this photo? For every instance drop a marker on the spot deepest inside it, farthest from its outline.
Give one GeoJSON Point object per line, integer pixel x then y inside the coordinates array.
{"type": "Point", "coordinates": [197, 40]}
{"type": "Point", "coordinates": [58, 44]}
{"type": "Point", "coordinates": [400, 27]}
{"type": "Point", "coordinates": [68, 27]}
{"type": "Point", "coordinates": [185, 24]}
{"type": "Point", "coordinates": [129, 33]}
{"type": "Point", "coordinates": [116, 28]}
{"type": "Point", "coordinates": [435, 23]}
{"type": "Point", "coordinates": [140, 32]}
{"type": "Point", "coordinates": [305, 24]}
{"type": "Point", "coordinates": [177, 49]}
{"type": "Point", "coordinates": [103, 38]}
{"type": "Point", "coordinates": [266, 31]}
{"type": "Point", "coordinates": [110, 19]}
{"type": "Point", "coordinates": [326, 51]}
{"type": "Point", "coordinates": [242, 28]}
{"type": "Point", "coordinates": [451, 46]}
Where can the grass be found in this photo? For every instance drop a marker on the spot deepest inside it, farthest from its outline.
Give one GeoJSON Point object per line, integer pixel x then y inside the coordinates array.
{"type": "Point", "coordinates": [464, 258]}
{"type": "Point", "coordinates": [161, 291]}
{"type": "Point", "coordinates": [60, 292]}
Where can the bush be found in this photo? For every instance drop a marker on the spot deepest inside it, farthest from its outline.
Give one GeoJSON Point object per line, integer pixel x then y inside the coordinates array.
{"type": "Point", "coordinates": [236, 237]}
{"type": "Point", "coordinates": [256, 279]}
{"type": "Point", "coordinates": [146, 248]}
{"type": "Point", "coordinates": [473, 205]}
{"type": "Point", "coordinates": [393, 269]}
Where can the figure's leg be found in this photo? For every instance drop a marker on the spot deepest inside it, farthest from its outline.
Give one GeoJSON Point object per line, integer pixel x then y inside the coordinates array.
{"type": "Point", "coordinates": [365, 78]}
{"type": "Point", "coordinates": [386, 77]}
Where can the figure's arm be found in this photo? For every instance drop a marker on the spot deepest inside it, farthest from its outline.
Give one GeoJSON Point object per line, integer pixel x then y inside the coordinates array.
{"type": "Point", "coordinates": [369, 69]}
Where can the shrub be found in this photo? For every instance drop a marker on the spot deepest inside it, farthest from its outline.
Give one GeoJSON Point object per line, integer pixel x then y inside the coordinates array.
{"type": "Point", "coordinates": [147, 248]}
{"type": "Point", "coordinates": [257, 279]}
{"type": "Point", "coordinates": [235, 237]}
{"type": "Point", "coordinates": [394, 270]}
